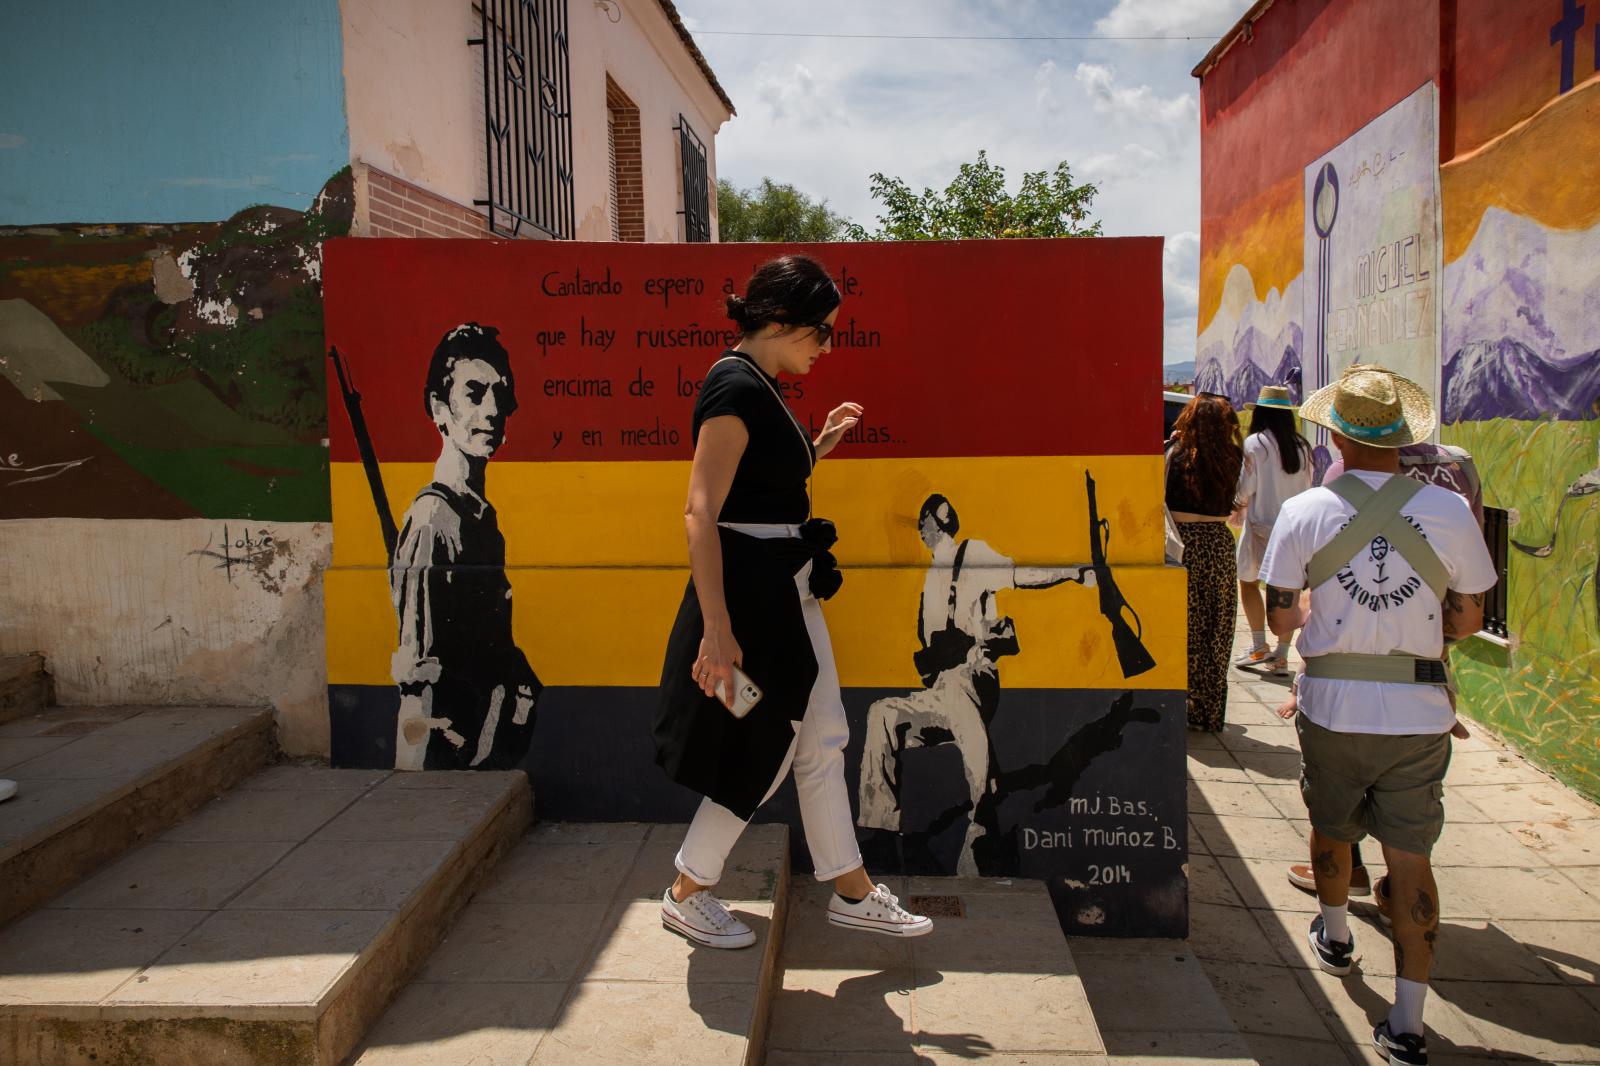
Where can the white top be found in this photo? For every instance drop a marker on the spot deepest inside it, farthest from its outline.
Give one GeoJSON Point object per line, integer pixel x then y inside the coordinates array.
{"type": "Point", "coordinates": [1264, 484]}
{"type": "Point", "coordinates": [1376, 605]}
{"type": "Point", "coordinates": [984, 572]}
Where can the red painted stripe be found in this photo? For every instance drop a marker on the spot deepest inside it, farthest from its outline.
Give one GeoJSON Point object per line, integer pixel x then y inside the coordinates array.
{"type": "Point", "coordinates": [961, 348]}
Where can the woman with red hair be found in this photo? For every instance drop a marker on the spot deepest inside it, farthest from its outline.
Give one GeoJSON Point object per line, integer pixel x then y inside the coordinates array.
{"type": "Point", "coordinates": [1204, 456]}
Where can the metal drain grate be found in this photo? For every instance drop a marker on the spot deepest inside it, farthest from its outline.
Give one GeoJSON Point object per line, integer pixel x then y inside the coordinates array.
{"type": "Point", "coordinates": [936, 906]}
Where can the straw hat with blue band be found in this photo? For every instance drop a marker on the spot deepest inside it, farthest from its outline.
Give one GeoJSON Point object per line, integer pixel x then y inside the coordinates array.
{"type": "Point", "coordinates": [1371, 405]}
{"type": "Point", "coordinates": [1273, 396]}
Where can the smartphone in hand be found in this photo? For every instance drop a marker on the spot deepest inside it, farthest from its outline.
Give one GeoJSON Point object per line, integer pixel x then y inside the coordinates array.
{"type": "Point", "coordinates": [746, 694]}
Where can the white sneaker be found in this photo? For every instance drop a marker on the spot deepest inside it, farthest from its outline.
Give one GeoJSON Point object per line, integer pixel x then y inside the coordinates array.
{"type": "Point", "coordinates": [878, 913]}
{"type": "Point", "coordinates": [704, 919]}
{"type": "Point", "coordinates": [7, 789]}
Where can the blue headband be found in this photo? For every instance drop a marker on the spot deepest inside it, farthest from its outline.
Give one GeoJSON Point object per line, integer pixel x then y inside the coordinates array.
{"type": "Point", "coordinates": [1274, 402]}
{"type": "Point", "coordinates": [1350, 429]}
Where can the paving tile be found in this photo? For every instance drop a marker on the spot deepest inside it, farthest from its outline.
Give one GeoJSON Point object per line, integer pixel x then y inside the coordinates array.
{"type": "Point", "coordinates": [1482, 844]}
{"type": "Point", "coordinates": [1253, 838]}
{"type": "Point", "coordinates": [1458, 807]}
{"type": "Point", "coordinates": [280, 958]}
{"type": "Point", "coordinates": [633, 946]}
{"type": "Point", "coordinates": [590, 832]}
{"type": "Point", "coordinates": [1490, 767]}
{"type": "Point", "coordinates": [831, 1010]}
{"type": "Point", "coordinates": [1286, 932]}
{"type": "Point", "coordinates": [1271, 767]}
{"type": "Point", "coordinates": [811, 941]}
{"type": "Point", "coordinates": [83, 956]}
{"type": "Point", "coordinates": [1533, 802]}
{"type": "Point", "coordinates": [1293, 1051]}
{"type": "Point", "coordinates": [1197, 843]}
{"type": "Point", "coordinates": [519, 942]}
{"type": "Point", "coordinates": [41, 804]}
{"type": "Point", "coordinates": [1548, 1023]}
{"type": "Point", "coordinates": [495, 781]}
{"type": "Point", "coordinates": [66, 721]}
{"type": "Point", "coordinates": [1273, 739]}
{"type": "Point", "coordinates": [1208, 883]}
{"type": "Point", "coordinates": [1201, 739]}
{"type": "Point", "coordinates": [297, 777]}
{"type": "Point", "coordinates": [264, 814]}
{"type": "Point", "coordinates": [1260, 999]}
{"type": "Point", "coordinates": [1350, 1007]}
{"type": "Point", "coordinates": [535, 872]}
{"type": "Point", "coordinates": [16, 750]}
{"type": "Point", "coordinates": [1570, 949]}
{"type": "Point", "coordinates": [1228, 934]}
{"type": "Point", "coordinates": [484, 1025]}
{"type": "Point", "coordinates": [1253, 712]}
{"type": "Point", "coordinates": [1005, 1012]}
{"type": "Point", "coordinates": [173, 876]}
{"type": "Point", "coordinates": [1561, 842]}
{"type": "Point", "coordinates": [619, 1022]}
{"type": "Point", "coordinates": [1214, 764]}
{"type": "Point", "coordinates": [993, 937]}
{"type": "Point", "coordinates": [1508, 893]}
{"type": "Point", "coordinates": [1160, 1048]}
{"type": "Point", "coordinates": [361, 875]}
{"type": "Point", "coordinates": [412, 814]}
{"type": "Point", "coordinates": [169, 721]}
{"type": "Point", "coordinates": [1130, 992]}
{"type": "Point", "coordinates": [119, 759]}
{"type": "Point", "coordinates": [1286, 799]}
{"type": "Point", "coordinates": [908, 1057]}
{"type": "Point", "coordinates": [1265, 883]}
{"type": "Point", "coordinates": [1229, 797]}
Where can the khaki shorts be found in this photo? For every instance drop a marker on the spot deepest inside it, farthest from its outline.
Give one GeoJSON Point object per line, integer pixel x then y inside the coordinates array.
{"type": "Point", "coordinates": [1391, 787]}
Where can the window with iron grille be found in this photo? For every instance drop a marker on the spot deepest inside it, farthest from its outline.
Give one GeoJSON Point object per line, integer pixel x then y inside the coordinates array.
{"type": "Point", "coordinates": [1495, 526]}
{"type": "Point", "coordinates": [613, 195]}
{"type": "Point", "coordinates": [527, 117]}
{"type": "Point", "coordinates": [696, 184]}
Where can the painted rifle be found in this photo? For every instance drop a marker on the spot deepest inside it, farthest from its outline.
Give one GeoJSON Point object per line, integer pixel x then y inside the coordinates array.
{"type": "Point", "coordinates": [369, 458]}
{"type": "Point", "coordinates": [1131, 653]}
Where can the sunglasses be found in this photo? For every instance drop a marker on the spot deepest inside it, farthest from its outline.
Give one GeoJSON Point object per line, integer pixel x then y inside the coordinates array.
{"type": "Point", "coordinates": [824, 332]}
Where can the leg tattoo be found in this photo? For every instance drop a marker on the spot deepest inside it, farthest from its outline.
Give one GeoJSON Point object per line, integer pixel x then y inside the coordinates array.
{"type": "Point", "coordinates": [1325, 864]}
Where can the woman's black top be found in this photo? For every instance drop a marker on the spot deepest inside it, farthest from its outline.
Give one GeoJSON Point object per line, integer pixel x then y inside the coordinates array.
{"type": "Point", "coordinates": [770, 482]}
{"type": "Point", "coordinates": [1214, 500]}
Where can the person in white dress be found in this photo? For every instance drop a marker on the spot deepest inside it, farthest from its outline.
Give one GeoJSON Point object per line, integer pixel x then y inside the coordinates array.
{"type": "Point", "coordinates": [1277, 465]}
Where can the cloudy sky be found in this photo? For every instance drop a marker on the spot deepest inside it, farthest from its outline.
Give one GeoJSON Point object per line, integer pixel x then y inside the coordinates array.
{"type": "Point", "coordinates": [823, 113]}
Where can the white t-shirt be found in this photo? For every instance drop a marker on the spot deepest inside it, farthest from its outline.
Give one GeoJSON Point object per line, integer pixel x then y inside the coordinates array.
{"type": "Point", "coordinates": [1263, 482]}
{"type": "Point", "coordinates": [1376, 605]}
{"type": "Point", "coordinates": [984, 572]}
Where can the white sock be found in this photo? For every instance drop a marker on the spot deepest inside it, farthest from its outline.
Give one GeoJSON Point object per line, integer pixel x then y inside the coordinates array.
{"type": "Point", "coordinates": [1335, 922]}
{"type": "Point", "coordinates": [1258, 639]}
{"type": "Point", "coordinates": [1406, 1016]}
{"type": "Point", "coordinates": [1283, 650]}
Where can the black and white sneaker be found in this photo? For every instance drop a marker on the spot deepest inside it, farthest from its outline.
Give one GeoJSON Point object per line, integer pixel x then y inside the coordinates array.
{"type": "Point", "coordinates": [878, 913]}
{"type": "Point", "coordinates": [704, 919]}
{"type": "Point", "coordinates": [1399, 1049]}
{"type": "Point", "coordinates": [1332, 957]}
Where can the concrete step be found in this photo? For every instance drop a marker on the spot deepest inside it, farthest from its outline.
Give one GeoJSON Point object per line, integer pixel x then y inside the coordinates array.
{"type": "Point", "coordinates": [94, 781]}
{"type": "Point", "coordinates": [270, 929]}
{"type": "Point", "coordinates": [561, 959]}
{"type": "Point", "coordinates": [25, 686]}
{"type": "Point", "coordinates": [998, 982]}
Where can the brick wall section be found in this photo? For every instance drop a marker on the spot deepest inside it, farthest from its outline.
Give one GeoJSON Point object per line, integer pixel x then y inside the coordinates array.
{"type": "Point", "coordinates": [399, 209]}
{"type": "Point", "coordinates": [630, 163]}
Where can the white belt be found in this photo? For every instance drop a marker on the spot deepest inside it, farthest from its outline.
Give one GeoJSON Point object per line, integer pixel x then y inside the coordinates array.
{"type": "Point", "coordinates": [762, 530]}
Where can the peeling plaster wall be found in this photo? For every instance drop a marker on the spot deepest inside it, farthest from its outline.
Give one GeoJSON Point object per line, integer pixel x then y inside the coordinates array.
{"type": "Point", "coordinates": [159, 611]}
{"type": "Point", "coordinates": [414, 96]}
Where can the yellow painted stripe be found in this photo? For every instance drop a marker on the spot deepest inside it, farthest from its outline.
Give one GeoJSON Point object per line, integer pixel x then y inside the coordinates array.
{"type": "Point", "coordinates": [608, 626]}
{"type": "Point", "coordinates": [1034, 509]}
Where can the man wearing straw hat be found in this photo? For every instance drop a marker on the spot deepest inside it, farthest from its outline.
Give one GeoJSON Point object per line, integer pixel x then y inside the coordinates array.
{"type": "Point", "coordinates": [1397, 569]}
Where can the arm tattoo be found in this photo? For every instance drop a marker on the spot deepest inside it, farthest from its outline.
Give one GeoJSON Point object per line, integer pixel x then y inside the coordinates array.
{"type": "Point", "coordinates": [1457, 601]}
{"type": "Point", "coordinates": [1279, 599]}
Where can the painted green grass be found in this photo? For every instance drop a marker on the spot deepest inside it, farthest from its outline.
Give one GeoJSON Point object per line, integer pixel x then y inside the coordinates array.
{"type": "Point", "coordinates": [1544, 693]}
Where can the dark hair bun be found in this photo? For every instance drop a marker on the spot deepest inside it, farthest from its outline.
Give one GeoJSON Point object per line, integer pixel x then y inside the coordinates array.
{"type": "Point", "coordinates": [736, 310]}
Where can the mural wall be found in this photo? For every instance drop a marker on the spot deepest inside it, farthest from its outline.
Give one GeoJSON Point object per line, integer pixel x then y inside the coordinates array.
{"type": "Point", "coordinates": [163, 201]}
{"type": "Point", "coordinates": [1517, 351]}
{"type": "Point", "coordinates": [514, 420]}
{"type": "Point", "coordinates": [1521, 360]}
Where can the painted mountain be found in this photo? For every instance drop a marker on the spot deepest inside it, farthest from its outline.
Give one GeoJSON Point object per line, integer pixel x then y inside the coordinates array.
{"type": "Point", "coordinates": [1250, 342]}
{"type": "Point", "coordinates": [1522, 323]}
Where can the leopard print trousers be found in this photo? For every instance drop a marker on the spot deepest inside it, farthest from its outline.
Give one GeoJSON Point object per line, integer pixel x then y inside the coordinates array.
{"type": "Point", "coordinates": [1208, 555]}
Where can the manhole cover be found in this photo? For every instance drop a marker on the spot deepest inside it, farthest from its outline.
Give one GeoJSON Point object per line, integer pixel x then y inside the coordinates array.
{"type": "Point", "coordinates": [936, 906]}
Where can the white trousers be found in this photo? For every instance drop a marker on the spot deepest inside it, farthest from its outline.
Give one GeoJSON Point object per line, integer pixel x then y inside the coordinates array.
{"type": "Point", "coordinates": [816, 757]}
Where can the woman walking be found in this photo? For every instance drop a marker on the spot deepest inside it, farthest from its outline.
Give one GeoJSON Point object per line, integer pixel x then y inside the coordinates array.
{"type": "Point", "coordinates": [1203, 463]}
{"type": "Point", "coordinates": [758, 566]}
{"type": "Point", "coordinates": [1277, 465]}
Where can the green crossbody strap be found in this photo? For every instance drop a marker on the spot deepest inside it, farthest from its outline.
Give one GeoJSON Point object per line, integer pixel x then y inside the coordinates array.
{"type": "Point", "coordinates": [1378, 513]}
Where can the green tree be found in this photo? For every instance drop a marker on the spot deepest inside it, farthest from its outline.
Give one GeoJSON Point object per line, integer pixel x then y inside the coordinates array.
{"type": "Point", "coordinates": [976, 204]}
{"type": "Point", "coordinates": [773, 212]}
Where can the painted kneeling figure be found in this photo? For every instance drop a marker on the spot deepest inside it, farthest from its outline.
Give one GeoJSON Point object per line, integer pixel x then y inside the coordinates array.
{"type": "Point", "coordinates": [758, 566]}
